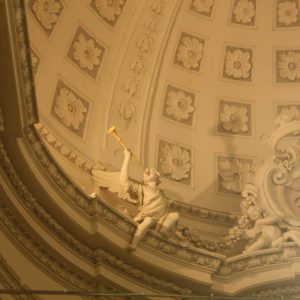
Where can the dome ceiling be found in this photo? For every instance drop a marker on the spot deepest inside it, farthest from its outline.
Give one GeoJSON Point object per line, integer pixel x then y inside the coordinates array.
{"type": "Point", "coordinates": [191, 86]}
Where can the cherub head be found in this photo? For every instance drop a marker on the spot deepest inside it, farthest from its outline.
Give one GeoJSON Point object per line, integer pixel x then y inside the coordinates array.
{"type": "Point", "coordinates": [151, 177]}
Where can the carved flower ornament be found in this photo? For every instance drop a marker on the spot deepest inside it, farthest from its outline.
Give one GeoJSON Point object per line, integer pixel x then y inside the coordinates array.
{"type": "Point", "coordinates": [287, 115]}
{"type": "Point", "coordinates": [189, 52]}
{"type": "Point", "coordinates": [244, 11]}
{"type": "Point", "coordinates": [234, 118]}
{"type": "Point", "coordinates": [203, 6]}
{"type": "Point", "coordinates": [237, 63]}
{"type": "Point", "coordinates": [287, 12]}
{"type": "Point", "coordinates": [289, 65]}
{"type": "Point", "coordinates": [109, 9]}
{"type": "Point", "coordinates": [86, 53]}
{"type": "Point", "coordinates": [69, 109]}
{"type": "Point", "coordinates": [234, 174]}
{"type": "Point", "coordinates": [46, 11]}
{"type": "Point", "coordinates": [179, 105]}
{"type": "Point", "coordinates": [175, 161]}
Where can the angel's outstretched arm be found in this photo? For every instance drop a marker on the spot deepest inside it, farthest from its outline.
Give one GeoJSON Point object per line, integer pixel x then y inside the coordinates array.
{"type": "Point", "coordinates": [124, 169]}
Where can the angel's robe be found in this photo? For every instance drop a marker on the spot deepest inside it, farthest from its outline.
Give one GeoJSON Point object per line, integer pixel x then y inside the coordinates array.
{"type": "Point", "coordinates": [152, 203]}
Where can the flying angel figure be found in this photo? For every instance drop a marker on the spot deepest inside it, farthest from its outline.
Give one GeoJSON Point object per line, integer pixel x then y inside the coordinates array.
{"type": "Point", "coordinates": [152, 211]}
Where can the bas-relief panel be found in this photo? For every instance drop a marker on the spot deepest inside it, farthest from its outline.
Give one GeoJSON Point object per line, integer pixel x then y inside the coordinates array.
{"type": "Point", "coordinates": [70, 109]}
{"type": "Point", "coordinates": [235, 118]}
{"type": "Point", "coordinates": [108, 10]}
{"type": "Point", "coordinates": [86, 53]}
{"type": "Point", "coordinates": [189, 51]}
{"type": "Point", "coordinates": [179, 105]}
{"type": "Point", "coordinates": [286, 14]}
{"type": "Point", "coordinates": [244, 13]}
{"type": "Point", "coordinates": [233, 172]}
{"type": "Point", "coordinates": [46, 13]}
{"type": "Point", "coordinates": [238, 63]}
{"type": "Point", "coordinates": [287, 65]}
{"type": "Point", "coordinates": [174, 162]}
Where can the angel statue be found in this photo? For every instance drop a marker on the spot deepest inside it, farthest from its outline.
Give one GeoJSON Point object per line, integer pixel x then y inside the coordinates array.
{"type": "Point", "coordinates": [152, 211]}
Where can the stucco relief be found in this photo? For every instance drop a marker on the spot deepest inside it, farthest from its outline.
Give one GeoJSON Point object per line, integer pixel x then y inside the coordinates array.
{"type": "Point", "coordinates": [287, 13]}
{"type": "Point", "coordinates": [46, 13]}
{"type": "Point", "coordinates": [63, 149]}
{"type": "Point", "coordinates": [233, 173]}
{"type": "Point", "coordinates": [179, 105]}
{"type": "Point", "coordinates": [174, 162]}
{"type": "Point", "coordinates": [238, 64]}
{"type": "Point", "coordinates": [35, 62]}
{"type": "Point", "coordinates": [287, 65]}
{"type": "Point", "coordinates": [70, 109]}
{"type": "Point", "coordinates": [287, 113]}
{"type": "Point", "coordinates": [203, 8]}
{"type": "Point", "coordinates": [244, 13]}
{"type": "Point", "coordinates": [189, 51]}
{"type": "Point", "coordinates": [86, 53]}
{"type": "Point", "coordinates": [108, 10]}
{"type": "Point", "coordinates": [270, 208]}
{"type": "Point", "coordinates": [234, 118]}
{"type": "Point", "coordinates": [131, 89]}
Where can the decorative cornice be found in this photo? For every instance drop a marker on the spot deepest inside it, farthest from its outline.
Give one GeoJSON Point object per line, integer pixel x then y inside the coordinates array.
{"type": "Point", "coordinates": [112, 218]}
{"type": "Point", "coordinates": [290, 290]}
{"type": "Point", "coordinates": [264, 258]}
{"type": "Point", "coordinates": [141, 275]}
{"type": "Point", "coordinates": [206, 215]}
{"type": "Point", "coordinates": [70, 275]}
{"type": "Point", "coordinates": [54, 172]}
{"type": "Point", "coordinates": [36, 209]}
{"type": "Point", "coordinates": [57, 268]}
{"type": "Point", "coordinates": [44, 217]}
{"type": "Point", "coordinates": [63, 149]}
{"type": "Point", "coordinates": [10, 280]}
{"type": "Point", "coordinates": [22, 43]}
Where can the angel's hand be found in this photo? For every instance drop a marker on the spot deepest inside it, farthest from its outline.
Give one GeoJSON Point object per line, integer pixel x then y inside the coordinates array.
{"type": "Point", "coordinates": [127, 153]}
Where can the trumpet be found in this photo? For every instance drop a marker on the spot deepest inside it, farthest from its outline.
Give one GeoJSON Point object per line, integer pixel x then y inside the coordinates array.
{"type": "Point", "coordinates": [113, 131]}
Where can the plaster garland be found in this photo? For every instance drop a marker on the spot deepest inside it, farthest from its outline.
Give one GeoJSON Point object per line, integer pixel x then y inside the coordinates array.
{"type": "Point", "coordinates": [138, 66]}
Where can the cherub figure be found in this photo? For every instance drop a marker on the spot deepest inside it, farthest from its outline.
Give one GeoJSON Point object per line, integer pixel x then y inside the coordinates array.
{"type": "Point", "coordinates": [265, 232]}
{"type": "Point", "coordinates": [152, 209]}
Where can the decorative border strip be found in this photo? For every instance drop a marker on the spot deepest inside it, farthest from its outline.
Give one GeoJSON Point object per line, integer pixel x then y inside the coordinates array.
{"type": "Point", "coordinates": [10, 280]}
{"type": "Point", "coordinates": [22, 42]}
{"type": "Point", "coordinates": [268, 257]}
{"type": "Point", "coordinates": [64, 150]}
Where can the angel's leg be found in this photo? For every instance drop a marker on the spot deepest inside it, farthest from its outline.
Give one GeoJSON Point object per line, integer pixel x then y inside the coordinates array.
{"type": "Point", "coordinates": [140, 232]}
